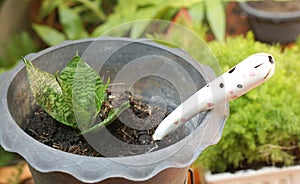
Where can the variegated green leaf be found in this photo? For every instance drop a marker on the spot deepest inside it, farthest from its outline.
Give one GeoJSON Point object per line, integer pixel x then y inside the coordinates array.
{"type": "Point", "coordinates": [87, 77]}
{"type": "Point", "coordinates": [48, 94]}
{"type": "Point", "coordinates": [87, 90]}
{"type": "Point", "coordinates": [73, 97]}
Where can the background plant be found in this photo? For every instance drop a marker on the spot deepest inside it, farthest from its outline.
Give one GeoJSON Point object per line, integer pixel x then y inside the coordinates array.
{"type": "Point", "coordinates": [14, 40]}
{"type": "Point", "coordinates": [59, 20]}
{"type": "Point", "coordinates": [263, 127]}
{"type": "Point", "coordinates": [82, 18]}
{"type": "Point", "coordinates": [19, 45]}
{"type": "Point", "coordinates": [5, 157]}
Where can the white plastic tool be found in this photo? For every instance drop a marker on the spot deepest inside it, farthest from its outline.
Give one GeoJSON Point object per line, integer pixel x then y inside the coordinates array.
{"type": "Point", "coordinates": [237, 81]}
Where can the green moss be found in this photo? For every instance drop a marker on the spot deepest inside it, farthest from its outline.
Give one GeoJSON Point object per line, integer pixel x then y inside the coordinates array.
{"type": "Point", "coordinates": [5, 157]}
{"type": "Point", "coordinates": [264, 125]}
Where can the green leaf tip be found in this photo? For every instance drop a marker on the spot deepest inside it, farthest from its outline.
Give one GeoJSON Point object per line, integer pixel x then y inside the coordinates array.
{"type": "Point", "coordinates": [26, 62]}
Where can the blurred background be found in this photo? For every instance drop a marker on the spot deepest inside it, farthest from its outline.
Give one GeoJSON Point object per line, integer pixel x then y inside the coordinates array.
{"type": "Point", "coordinates": [31, 25]}
{"type": "Point", "coordinates": [264, 126]}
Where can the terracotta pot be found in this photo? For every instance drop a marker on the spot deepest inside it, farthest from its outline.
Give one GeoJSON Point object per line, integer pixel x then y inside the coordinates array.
{"type": "Point", "coordinates": [168, 164]}
{"type": "Point", "coordinates": [273, 27]}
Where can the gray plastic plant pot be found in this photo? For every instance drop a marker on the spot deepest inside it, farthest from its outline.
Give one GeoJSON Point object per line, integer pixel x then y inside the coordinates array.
{"type": "Point", "coordinates": [273, 27]}
{"type": "Point", "coordinates": [111, 56]}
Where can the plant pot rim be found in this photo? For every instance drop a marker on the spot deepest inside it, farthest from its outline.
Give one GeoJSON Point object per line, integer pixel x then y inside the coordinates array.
{"type": "Point", "coordinates": [274, 16]}
{"type": "Point", "coordinates": [11, 134]}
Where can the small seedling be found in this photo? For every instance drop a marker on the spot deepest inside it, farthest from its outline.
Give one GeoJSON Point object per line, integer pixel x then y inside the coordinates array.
{"type": "Point", "coordinates": [73, 96]}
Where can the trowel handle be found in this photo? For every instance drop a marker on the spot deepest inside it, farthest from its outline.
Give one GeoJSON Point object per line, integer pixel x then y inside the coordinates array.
{"type": "Point", "coordinates": [237, 81]}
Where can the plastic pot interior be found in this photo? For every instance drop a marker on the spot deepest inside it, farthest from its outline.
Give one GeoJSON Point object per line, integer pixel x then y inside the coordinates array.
{"type": "Point", "coordinates": [110, 56]}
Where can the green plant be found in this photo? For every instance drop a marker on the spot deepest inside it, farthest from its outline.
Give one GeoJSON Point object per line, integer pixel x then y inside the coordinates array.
{"type": "Point", "coordinates": [75, 104]}
{"type": "Point", "coordinates": [69, 18]}
{"type": "Point", "coordinates": [199, 13]}
{"type": "Point", "coordinates": [97, 21]}
{"type": "Point", "coordinates": [5, 157]}
{"type": "Point", "coordinates": [264, 125]}
{"type": "Point", "coordinates": [19, 44]}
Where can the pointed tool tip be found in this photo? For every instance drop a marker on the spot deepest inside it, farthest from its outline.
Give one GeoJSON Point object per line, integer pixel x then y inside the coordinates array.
{"type": "Point", "coordinates": [155, 138]}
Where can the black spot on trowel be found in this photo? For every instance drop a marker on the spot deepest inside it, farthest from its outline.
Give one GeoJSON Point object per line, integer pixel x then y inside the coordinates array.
{"type": "Point", "coordinates": [271, 59]}
{"type": "Point", "coordinates": [258, 65]}
{"type": "Point", "coordinates": [230, 71]}
{"type": "Point", "coordinates": [221, 85]}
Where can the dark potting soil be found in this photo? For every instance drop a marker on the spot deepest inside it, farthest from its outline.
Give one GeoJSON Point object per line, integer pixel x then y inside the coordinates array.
{"type": "Point", "coordinates": [276, 6]}
{"type": "Point", "coordinates": [47, 130]}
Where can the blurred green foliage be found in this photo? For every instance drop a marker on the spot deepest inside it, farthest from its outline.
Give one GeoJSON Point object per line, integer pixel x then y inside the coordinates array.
{"type": "Point", "coordinates": [84, 18]}
{"type": "Point", "coordinates": [19, 45]}
{"type": "Point", "coordinates": [76, 19]}
{"type": "Point", "coordinates": [5, 157]}
{"type": "Point", "coordinates": [264, 125]}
